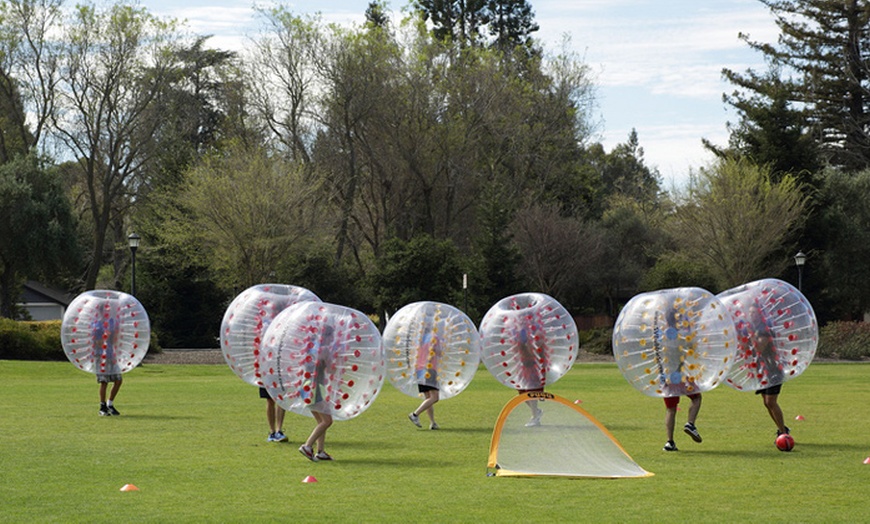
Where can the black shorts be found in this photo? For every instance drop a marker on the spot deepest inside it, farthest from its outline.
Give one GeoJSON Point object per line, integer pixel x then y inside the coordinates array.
{"type": "Point", "coordinates": [772, 390]}
{"type": "Point", "coordinates": [423, 388]}
{"type": "Point", "coordinates": [264, 393]}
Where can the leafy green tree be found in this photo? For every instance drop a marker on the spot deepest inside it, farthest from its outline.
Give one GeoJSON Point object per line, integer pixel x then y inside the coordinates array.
{"type": "Point", "coordinates": [281, 81]}
{"type": "Point", "coordinates": [420, 269]}
{"type": "Point", "coordinates": [737, 222]}
{"type": "Point", "coordinates": [496, 273]}
{"type": "Point", "coordinates": [240, 214]}
{"type": "Point", "coordinates": [558, 253]}
{"type": "Point", "coordinates": [625, 174]}
{"type": "Point", "coordinates": [193, 110]}
{"type": "Point", "coordinates": [114, 66]}
{"type": "Point", "coordinates": [29, 68]}
{"type": "Point", "coordinates": [12, 142]}
{"type": "Point", "coordinates": [37, 229]}
{"type": "Point", "coordinates": [844, 221]}
{"type": "Point", "coordinates": [632, 240]}
{"type": "Point", "coordinates": [817, 67]}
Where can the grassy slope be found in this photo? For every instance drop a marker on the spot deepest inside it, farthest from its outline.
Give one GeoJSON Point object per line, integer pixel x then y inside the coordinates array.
{"type": "Point", "coordinates": [192, 438]}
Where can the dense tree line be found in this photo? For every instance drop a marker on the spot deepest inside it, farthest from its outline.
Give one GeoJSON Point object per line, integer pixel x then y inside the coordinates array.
{"type": "Point", "coordinates": [374, 164]}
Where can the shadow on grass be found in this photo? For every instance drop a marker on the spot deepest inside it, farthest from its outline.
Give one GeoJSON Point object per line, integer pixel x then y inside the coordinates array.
{"type": "Point", "coordinates": [156, 417]}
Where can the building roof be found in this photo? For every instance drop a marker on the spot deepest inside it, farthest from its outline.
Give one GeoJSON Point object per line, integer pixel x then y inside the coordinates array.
{"type": "Point", "coordinates": [34, 292]}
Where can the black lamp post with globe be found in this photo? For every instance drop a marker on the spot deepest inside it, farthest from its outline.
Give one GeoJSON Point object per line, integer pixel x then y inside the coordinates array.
{"type": "Point", "coordinates": [799, 260]}
{"type": "Point", "coordinates": [133, 242]}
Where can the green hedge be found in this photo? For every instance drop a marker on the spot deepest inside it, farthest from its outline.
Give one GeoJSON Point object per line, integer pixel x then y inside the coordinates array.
{"type": "Point", "coordinates": [39, 340]}
{"type": "Point", "coordinates": [597, 341]}
{"type": "Point", "coordinates": [837, 340]}
{"type": "Point", "coordinates": [844, 341]}
{"type": "Point", "coordinates": [30, 340]}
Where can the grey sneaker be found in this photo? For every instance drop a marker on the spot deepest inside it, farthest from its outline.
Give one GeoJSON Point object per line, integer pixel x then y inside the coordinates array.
{"type": "Point", "coordinates": [434, 425]}
{"type": "Point", "coordinates": [670, 446]}
{"type": "Point", "coordinates": [415, 419]}
{"type": "Point", "coordinates": [692, 431]}
{"type": "Point", "coordinates": [308, 452]}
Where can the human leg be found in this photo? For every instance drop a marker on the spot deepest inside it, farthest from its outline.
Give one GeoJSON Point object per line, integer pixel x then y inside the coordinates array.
{"type": "Point", "coordinates": [694, 408]}
{"type": "Point", "coordinates": [670, 421]}
{"type": "Point", "coordinates": [103, 388]}
{"type": "Point", "coordinates": [270, 415]}
{"type": "Point", "coordinates": [431, 397]}
{"type": "Point", "coordinates": [279, 418]}
{"type": "Point", "coordinates": [771, 402]}
{"type": "Point", "coordinates": [318, 435]}
{"type": "Point", "coordinates": [116, 386]}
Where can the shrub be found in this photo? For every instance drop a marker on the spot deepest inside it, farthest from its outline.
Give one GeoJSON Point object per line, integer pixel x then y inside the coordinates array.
{"type": "Point", "coordinates": [30, 340]}
{"type": "Point", "coordinates": [39, 340]}
{"type": "Point", "coordinates": [844, 341]}
{"type": "Point", "coordinates": [597, 341]}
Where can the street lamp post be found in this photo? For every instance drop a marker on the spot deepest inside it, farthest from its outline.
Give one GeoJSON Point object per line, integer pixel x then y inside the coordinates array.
{"type": "Point", "coordinates": [799, 260]}
{"type": "Point", "coordinates": [133, 241]}
{"type": "Point", "coordinates": [465, 291]}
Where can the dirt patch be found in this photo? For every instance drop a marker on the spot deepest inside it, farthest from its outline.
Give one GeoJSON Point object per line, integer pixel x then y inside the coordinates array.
{"type": "Point", "coordinates": [186, 356]}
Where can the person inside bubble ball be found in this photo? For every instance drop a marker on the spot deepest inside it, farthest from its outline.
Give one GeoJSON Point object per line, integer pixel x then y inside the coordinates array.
{"type": "Point", "coordinates": [275, 417]}
{"type": "Point", "coordinates": [768, 366]}
{"type": "Point", "coordinates": [318, 357]}
{"type": "Point", "coordinates": [105, 339]}
{"type": "Point", "coordinates": [671, 336]}
{"type": "Point", "coordinates": [426, 371]}
{"type": "Point", "coordinates": [531, 373]}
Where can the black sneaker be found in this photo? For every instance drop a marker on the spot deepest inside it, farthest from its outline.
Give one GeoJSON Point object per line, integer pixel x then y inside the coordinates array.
{"type": "Point", "coordinates": [670, 446]}
{"type": "Point", "coordinates": [113, 411]}
{"type": "Point", "coordinates": [786, 432]}
{"type": "Point", "coordinates": [692, 431]}
{"type": "Point", "coordinates": [104, 411]}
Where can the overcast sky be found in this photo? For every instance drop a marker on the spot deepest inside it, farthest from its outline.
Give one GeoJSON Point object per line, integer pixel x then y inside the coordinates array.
{"type": "Point", "coordinates": [657, 64]}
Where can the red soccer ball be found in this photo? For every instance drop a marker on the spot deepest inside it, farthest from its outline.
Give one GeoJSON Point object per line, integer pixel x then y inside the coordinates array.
{"type": "Point", "coordinates": [784, 442]}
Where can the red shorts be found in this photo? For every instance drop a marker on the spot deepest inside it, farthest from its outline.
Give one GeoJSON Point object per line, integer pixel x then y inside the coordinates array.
{"type": "Point", "coordinates": [671, 402]}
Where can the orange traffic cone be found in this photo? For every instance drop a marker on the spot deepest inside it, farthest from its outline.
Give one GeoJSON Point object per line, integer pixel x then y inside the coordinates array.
{"type": "Point", "coordinates": [309, 478]}
{"type": "Point", "coordinates": [129, 487]}
{"type": "Point", "coordinates": [867, 460]}
{"type": "Point", "coordinates": [799, 417]}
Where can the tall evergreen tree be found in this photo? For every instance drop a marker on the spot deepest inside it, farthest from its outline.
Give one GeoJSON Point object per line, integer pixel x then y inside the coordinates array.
{"type": "Point", "coordinates": [458, 21]}
{"type": "Point", "coordinates": [820, 63]}
{"type": "Point", "coordinates": [771, 131]}
{"type": "Point", "coordinates": [512, 23]}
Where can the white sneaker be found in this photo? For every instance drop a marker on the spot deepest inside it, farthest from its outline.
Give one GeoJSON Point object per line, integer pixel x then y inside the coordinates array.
{"type": "Point", "coordinates": [535, 420]}
{"type": "Point", "coordinates": [415, 419]}
{"type": "Point", "coordinates": [434, 425]}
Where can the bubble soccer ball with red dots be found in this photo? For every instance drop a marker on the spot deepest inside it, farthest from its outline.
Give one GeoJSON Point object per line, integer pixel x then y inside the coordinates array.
{"type": "Point", "coordinates": [105, 332]}
{"type": "Point", "coordinates": [432, 344]}
{"type": "Point", "coordinates": [784, 442]}
{"type": "Point", "coordinates": [777, 333]}
{"type": "Point", "coordinates": [246, 320]}
{"type": "Point", "coordinates": [528, 341]}
{"type": "Point", "coordinates": [323, 357]}
{"type": "Point", "coordinates": [674, 342]}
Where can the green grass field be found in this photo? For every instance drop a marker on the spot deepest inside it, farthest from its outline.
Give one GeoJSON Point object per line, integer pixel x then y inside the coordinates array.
{"type": "Point", "coordinates": [192, 438]}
